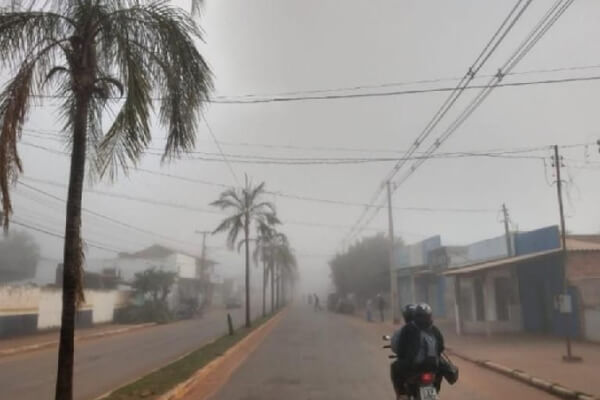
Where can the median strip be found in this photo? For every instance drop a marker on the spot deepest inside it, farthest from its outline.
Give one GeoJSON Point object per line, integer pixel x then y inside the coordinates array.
{"type": "Point", "coordinates": [176, 379]}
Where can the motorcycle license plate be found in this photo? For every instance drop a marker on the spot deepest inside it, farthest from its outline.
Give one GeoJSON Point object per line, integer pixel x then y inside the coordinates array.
{"type": "Point", "coordinates": [428, 393]}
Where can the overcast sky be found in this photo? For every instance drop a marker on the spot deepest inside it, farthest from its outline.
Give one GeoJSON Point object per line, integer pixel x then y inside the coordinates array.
{"type": "Point", "coordinates": [267, 47]}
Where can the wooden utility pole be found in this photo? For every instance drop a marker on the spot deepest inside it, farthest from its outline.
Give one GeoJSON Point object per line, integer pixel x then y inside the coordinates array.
{"type": "Point", "coordinates": [563, 236]}
{"type": "Point", "coordinates": [509, 248]}
{"type": "Point", "coordinates": [393, 280]}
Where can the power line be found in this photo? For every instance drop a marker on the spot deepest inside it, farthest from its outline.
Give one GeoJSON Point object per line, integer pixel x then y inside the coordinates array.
{"type": "Point", "coordinates": [202, 210]}
{"type": "Point", "coordinates": [235, 178]}
{"type": "Point", "coordinates": [59, 236]}
{"type": "Point", "coordinates": [400, 92]}
{"type": "Point", "coordinates": [99, 215]}
{"type": "Point", "coordinates": [332, 161]}
{"type": "Point", "coordinates": [403, 83]}
{"type": "Point", "coordinates": [455, 93]}
{"type": "Point", "coordinates": [545, 23]}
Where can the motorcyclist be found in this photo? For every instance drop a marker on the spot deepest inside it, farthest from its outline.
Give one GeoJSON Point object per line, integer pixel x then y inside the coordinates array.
{"type": "Point", "coordinates": [408, 345]}
{"type": "Point", "coordinates": [398, 345]}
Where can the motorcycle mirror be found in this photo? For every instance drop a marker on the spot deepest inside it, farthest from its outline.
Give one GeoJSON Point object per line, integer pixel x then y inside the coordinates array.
{"type": "Point", "coordinates": [386, 337]}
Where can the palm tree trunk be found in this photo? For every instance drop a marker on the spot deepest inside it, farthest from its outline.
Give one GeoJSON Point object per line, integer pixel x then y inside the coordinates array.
{"type": "Point", "coordinates": [272, 286]}
{"type": "Point", "coordinates": [264, 288]}
{"type": "Point", "coordinates": [247, 236]}
{"type": "Point", "coordinates": [278, 294]}
{"type": "Point", "coordinates": [72, 251]}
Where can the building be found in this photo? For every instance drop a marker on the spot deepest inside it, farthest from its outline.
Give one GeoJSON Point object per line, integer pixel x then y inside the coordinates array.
{"type": "Point", "coordinates": [416, 280]}
{"type": "Point", "coordinates": [523, 291]}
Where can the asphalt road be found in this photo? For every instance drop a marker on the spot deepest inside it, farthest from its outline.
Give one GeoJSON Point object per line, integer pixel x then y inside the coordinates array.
{"type": "Point", "coordinates": [322, 356]}
{"type": "Point", "coordinates": [104, 364]}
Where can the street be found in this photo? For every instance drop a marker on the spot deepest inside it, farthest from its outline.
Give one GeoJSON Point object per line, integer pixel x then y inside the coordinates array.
{"type": "Point", "coordinates": [319, 355]}
{"type": "Point", "coordinates": [105, 364]}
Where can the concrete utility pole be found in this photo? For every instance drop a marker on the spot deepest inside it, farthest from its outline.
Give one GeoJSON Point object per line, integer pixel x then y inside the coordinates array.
{"type": "Point", "coordinates": [566, 299]}
{"type": "Point", "coordinates": [509, 248]}
{"type": "Point", "coordinates": [393, 281]}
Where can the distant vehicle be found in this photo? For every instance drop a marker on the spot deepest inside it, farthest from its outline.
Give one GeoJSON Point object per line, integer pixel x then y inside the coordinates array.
{"type": "Point", "coordinates": [233, 302]}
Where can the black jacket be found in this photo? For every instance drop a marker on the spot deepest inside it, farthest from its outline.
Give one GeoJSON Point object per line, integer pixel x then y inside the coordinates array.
{"type": "Point", "coordinates": [406, 342]}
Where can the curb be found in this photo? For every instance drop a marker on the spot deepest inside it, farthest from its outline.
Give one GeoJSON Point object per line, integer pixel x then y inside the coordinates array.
{"type": "Point", "coordinates": [52, 343]}
{"type": "Point", "coordinates": [521, 376]}
{"type": "Point", "coordinates": [182, 389]}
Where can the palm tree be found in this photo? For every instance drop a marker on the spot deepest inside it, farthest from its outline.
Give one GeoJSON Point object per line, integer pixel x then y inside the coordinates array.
{"type": "Point", "coordinates": [286, 263]}
{"type": "Point", "coordinates": [92, 54]}
{"type": "Point", "coordinates": [247, 208]}
{"type": "Point", "coordinates": [262, 254]}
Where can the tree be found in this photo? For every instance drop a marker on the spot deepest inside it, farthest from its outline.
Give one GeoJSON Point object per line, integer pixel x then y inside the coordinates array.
{"type": "Point", "coordinates": [261, 254]}
{"type": "Point", "coordinates": [285, 264]}
{"type": "Point", "coordinates": [154, 282]}
{"type": "Point", "coordinates": [247, 208]}
{"type": "Point", "coordinates": [92, 54]}
{"type": "Point", "coordinates": [364, 269]}
{"type": "Point", "coordinates": [19, 256]}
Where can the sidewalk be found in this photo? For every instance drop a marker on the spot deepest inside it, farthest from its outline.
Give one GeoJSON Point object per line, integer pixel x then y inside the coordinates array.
{"type": "Point", "coordinates": [40, 340]}
{"type": "Point", "coordinates": [537, 356]}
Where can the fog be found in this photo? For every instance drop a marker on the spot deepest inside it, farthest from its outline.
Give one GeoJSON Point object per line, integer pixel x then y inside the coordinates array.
{"type": "Point", "coordinates": [265, 48]}
{"type": "Point", "coordinates": [322, 100]}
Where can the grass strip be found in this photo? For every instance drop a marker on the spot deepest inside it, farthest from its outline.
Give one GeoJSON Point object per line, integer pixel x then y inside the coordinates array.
{"type": "Point", "coordinates": [162, 380]}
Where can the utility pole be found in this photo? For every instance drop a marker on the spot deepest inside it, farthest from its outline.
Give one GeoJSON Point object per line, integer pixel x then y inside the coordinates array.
{"type": "Point", "coordinates": [393, 281]}
{"type": "Point", "coordinates": [509, 248]}
{"type": "Point", "coordinates": [566, 307]}
{"type": "Point", "coordinates": [203, 255]}
{"type": "Point", "coordinates": [203, 280]}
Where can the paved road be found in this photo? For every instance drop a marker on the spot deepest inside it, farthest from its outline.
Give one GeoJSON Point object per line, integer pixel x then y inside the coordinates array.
{"type": "Point", "coordinates": [325, 356]}
{"type": "Point", "coordinates": [104, 364]}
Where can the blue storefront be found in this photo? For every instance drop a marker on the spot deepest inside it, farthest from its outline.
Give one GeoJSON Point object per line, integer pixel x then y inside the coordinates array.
{"type": "Point", "coordinates": [541, 282]}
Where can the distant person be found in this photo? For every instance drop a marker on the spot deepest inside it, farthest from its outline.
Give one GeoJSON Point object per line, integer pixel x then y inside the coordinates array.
{"type": "Point", "coordinates": [381, 306]}
{"type": "Point", "coordinates": [317, 303]}
{"type": "Point", "coordinates": [369, 309]}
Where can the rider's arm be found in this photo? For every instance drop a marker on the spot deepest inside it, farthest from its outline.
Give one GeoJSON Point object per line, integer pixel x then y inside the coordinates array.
{"type": "Point", "coordinates": [439, 338]}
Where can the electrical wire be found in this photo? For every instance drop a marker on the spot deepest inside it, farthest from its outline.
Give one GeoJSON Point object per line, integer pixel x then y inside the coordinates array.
{"type": "Point", "coordinates": [498, 36]}
{"type": "Point", "coordinates": [545, 23]}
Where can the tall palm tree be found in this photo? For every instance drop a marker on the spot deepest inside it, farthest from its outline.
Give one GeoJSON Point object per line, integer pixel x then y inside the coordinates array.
{"type": "Point", "coordinates": [247, 208]}
{"type": "Point", "coordinates": [285, 260]}
{"type": "Point", "coordinates": [262, 254]}
{"type": "Point", "coordinates": [90, 55]}
{"type": "Point", "coordinates": [282, 264]}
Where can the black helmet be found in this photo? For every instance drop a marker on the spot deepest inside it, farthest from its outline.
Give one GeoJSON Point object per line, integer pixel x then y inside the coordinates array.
{"type": "Point", "coordinates": [408, 312]}
{"type": "Point", "coordinates": [423, 315]}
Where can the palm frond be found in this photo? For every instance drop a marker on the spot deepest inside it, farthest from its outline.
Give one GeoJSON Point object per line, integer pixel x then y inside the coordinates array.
{"type": "Point", "coordinates": [153, 45]}
{"type": "Point", "coordinates": [14, 105]}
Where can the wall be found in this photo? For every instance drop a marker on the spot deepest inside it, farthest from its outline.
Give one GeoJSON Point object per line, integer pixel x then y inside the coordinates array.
{"type": "Point", "coordinates": [543, 239]}
{"type": "Point", "coordinates": [50, 308]}
{"type": "Point", "coordinates": [488, 249]}
{"type": "Point", "coordinates": [592, 324]}
{"type": "Point", "coordinates": [185, 266]}
{"type": "Point", "coordinates": [490, 324]}
{"type": "Point", "coordinates": [26, 309]}
{"type": "Point", "coordinates": [540, 281]}
{"type": "Point", "coordinates": [18, 310]}
{"type": "Point", "coordinates": [416, 255]}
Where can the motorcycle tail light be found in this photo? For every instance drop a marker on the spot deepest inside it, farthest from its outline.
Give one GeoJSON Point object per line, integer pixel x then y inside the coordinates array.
{"type": "Point", "coordinates": [427, 378]}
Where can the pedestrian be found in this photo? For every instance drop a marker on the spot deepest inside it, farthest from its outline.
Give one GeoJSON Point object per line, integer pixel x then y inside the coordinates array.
{"type": "Point", "coordinates": [381, 306]}
{"type": "Point", "coordinates": [369, 310]}
{"type": "Point", "coordinates": [317, 304]}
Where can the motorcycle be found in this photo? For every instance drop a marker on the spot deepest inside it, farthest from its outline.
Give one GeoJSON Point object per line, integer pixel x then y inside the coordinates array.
{"type": "Point", "coordinates": [418, 387]}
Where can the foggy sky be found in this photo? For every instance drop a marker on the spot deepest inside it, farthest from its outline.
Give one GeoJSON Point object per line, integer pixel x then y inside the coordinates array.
{"type": "Point", "coordinates": [266, 47]}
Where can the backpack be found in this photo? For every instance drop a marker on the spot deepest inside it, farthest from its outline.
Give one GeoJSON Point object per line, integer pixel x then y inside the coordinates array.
{"type": "Point", "coordinates": [427, 354]}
